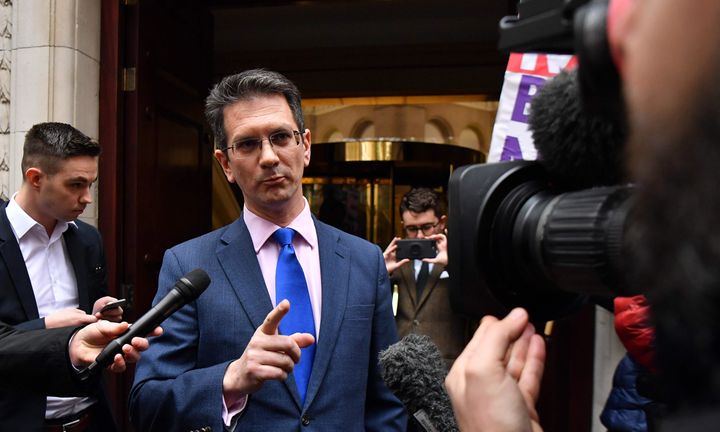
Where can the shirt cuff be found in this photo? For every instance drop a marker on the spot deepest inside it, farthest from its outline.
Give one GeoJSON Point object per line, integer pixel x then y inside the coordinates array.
{"type": "Point", "coordinates": [229, 413]}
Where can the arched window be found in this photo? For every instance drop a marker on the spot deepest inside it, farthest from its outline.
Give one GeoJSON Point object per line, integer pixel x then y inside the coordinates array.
{"type": "Point", "coordinates": [437, 131]}
{"type": "Point", "coordinates": [364, 129]}
{"type": "Point", "coordinates": [470, 138]}
{"type": "Point", "coordinates": [335, 136]}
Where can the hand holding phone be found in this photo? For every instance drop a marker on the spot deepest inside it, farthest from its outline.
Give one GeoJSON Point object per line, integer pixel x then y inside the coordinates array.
{"type": "Point", "coordinates": [113, 305]}
{"type": "Point", "coordinates": [415, 249]}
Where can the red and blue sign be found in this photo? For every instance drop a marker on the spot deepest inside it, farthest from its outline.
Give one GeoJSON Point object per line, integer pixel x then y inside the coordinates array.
{"type": "Point", "coordinates": [525, 74]}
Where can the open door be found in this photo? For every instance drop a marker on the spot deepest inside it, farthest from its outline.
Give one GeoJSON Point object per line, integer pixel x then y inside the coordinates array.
{"type": "Point", "coordinates": [156, 168]}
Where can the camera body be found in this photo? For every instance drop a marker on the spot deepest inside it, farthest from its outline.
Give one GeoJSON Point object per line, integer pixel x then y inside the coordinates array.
{"type": "Point", "coordinates": [521, 235]}
{"type": "Point", "coordinates": [570, 27]}
{"type": "Point", "coordinates": [516, 240]}
{"type": "Point", "coordinates": [540, 26]}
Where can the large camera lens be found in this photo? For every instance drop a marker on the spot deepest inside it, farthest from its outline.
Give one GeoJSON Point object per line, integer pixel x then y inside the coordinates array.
{"type": "Point", "coordinates": [514, 240]}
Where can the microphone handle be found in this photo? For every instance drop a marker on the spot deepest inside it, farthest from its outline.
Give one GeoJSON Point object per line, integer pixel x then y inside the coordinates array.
{"type": "Point", "coordinates": [173, 301]}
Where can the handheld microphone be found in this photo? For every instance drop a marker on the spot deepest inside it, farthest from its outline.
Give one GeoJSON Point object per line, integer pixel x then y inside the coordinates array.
{"type": "Point", "coordinates": [414, 371]}
{"type": "Point", "coordinates": [187, 289]}
{"type": "Point", "coordinates": [578, 149]}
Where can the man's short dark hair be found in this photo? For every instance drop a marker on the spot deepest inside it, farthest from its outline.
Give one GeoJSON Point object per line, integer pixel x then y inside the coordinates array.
{"type": "Point", "coordinates": [419, 200]}
{"type": "Point", "coordinates": [244, 86]}
{"type": "Point", "coordinates": [46, 144]}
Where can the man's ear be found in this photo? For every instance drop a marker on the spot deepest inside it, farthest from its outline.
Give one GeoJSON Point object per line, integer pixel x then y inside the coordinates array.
{"type": "Point", "coordinates": [222, 159]}
{"type": "Point", "coordinates": [34, 176]}
{"type": "Point", "coordinates": [620, 23]}
{"type": "Point", "coordinates": [306, 142]}
{"type": "Point", "coordinates": [443, 221]}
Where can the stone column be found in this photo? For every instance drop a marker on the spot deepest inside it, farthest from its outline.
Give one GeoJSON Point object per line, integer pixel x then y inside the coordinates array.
{"type": "Point", "coordinates": [53, 66]}
{"type": "Point", "coordinates": [5, 67]}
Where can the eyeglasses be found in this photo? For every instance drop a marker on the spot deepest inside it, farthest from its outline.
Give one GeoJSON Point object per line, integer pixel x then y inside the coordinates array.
{"type": "Point", "coordinates": [280, 140]}
{"type": "Point", "coordinates": [427, 229]}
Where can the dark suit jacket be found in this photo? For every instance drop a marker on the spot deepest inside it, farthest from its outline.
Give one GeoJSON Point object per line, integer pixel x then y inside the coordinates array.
{"type": "Point", "coordinates": [431, 314]}
{"type": "Point", "coordinates": [178, 381]}
{"type": "Point", "coordinates": [38, 359]}
{"type": "Point", "coordinates": [25, 409]}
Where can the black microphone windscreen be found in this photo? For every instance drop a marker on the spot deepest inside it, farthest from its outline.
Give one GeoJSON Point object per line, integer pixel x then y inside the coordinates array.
{"type": "Point", "coordinates": [414, 371]}
{"type": "Point", "coordinates": [577, 148]}
{"type": "Point", "coordinates": [194, 283]}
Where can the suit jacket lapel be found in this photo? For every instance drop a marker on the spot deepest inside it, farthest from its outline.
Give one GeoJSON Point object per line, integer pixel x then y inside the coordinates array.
{"type": "Point", "coordinates": [78, 257]}
{"type": "Point", "coordinates": [335, 273]}
{"type": "Point", "coordinates": [15, 265]}
{"type": "Point", "coordinates": [407, 273]}
{"type": "Point", "coordinates": [432, 280]}
{"type": "Point", "coordinates": [238, 260]}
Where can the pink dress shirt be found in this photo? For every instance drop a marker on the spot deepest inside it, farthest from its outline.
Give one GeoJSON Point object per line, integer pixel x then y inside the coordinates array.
{"type": "Point", "coordinates": [267, 250]}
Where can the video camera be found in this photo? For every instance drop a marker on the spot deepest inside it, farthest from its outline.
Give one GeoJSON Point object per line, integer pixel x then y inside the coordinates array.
{"type": "Point", "coordinates": [517, 235]}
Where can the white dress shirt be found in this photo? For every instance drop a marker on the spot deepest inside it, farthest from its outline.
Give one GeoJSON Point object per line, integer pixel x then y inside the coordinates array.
{"type": "Point", "coordinates": [53, 282]}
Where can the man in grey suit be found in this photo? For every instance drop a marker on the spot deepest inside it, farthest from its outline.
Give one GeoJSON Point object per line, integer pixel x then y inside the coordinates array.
{"type": "Point", "coordinates": [423, 296]}
{"type": "Point", "coordinates": [234, 358]}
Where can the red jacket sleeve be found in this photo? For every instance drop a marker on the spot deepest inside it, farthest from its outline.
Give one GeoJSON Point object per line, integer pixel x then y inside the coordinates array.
{"type": "Point", "coordinates": [632, 324]}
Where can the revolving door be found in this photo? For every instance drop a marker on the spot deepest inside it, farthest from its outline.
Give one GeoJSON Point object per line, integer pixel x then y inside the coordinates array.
{"type": "Point", "coordinates": [356, 186]}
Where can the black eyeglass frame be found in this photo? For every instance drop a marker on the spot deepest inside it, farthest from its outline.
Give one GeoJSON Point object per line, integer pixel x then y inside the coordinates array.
{"type": "Point", "coordinates": [414, 229]}
{"type": "Point", "coordinates": [296, 133]}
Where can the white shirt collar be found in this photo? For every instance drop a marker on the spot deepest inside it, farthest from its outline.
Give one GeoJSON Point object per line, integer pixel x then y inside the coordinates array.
{"type": "Point", "coordinates": [21, 222]}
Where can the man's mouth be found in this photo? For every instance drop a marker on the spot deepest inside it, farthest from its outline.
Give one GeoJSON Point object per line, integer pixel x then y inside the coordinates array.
{"type": "Point", "coordinates": [273, 180]}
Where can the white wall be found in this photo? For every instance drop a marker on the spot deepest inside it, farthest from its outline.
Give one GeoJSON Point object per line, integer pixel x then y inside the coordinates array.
{"type": "Point", "coordinates": [608, 352]}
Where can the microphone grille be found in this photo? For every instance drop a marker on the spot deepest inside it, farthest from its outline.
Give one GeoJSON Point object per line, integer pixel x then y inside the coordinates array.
{"type": "Point", "coordinates": [413, 367]}
{"type": "Point", "coordinates": [193, 283]}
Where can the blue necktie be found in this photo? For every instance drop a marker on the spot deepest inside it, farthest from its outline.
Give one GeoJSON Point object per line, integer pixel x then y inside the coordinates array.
{"type": "Point", "coordinates": [290, 284]}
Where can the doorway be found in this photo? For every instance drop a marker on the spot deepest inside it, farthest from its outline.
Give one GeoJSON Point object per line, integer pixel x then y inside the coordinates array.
{"type": "Point", "coordinates": [160, 57]}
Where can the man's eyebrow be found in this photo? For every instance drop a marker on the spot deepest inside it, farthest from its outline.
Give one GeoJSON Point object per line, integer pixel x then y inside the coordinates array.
{"type": "Point", "coordinates": [244, 137]}
{"type": "Point", "coordinates": [272, 130]}
{"type": "Point", "coordinates": [80, 179]}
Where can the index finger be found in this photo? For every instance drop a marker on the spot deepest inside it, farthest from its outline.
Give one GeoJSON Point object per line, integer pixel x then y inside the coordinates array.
{"type": "Point", "coordinates": [501, 335]}
{"type": "Point", "coordinates": [272, 320]}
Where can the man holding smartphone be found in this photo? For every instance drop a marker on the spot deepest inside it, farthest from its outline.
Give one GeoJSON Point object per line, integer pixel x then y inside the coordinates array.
{"type": "Point", "coordinates": [52, 269]}
{"type": "Point", "coordinates": [423, 283]}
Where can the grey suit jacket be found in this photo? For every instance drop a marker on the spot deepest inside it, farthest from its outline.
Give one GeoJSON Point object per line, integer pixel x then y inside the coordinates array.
{"type": "Point", "coordinates": [178, 381]}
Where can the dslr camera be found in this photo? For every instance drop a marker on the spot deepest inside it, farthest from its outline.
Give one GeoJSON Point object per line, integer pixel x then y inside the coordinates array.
{"type": "Point", "coordinates": [518, 235]}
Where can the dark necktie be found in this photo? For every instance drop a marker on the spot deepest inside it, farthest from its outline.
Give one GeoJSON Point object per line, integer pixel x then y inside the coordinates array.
{"type": "Point", "coordinates": [422, 279]}
{"type": "Point", "coordinates": [290, 284]}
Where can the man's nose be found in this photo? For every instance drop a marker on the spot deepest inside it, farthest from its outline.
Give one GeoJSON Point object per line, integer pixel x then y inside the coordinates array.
{"type": "Point", "coordinates": [268, 156]}
{"type": "Point", "coordinates": [86, 197]}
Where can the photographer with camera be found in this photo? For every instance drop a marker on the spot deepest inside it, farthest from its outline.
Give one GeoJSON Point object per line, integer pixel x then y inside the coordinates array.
{"type": "Point", "coordinates": [668, 53]}
{"type": "Point", "coordinates": [423, 283]}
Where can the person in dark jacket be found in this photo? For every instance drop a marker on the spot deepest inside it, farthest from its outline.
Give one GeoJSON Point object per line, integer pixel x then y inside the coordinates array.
{"type": "Point", "coordinates": [625, 407]}
{"type": "Point", "coordinates": [49, 360]}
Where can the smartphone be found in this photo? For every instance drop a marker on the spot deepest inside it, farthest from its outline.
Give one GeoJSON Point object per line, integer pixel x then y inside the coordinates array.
{"type": "Point", "coordinates": [113, 305]}
{"type": "Point", "coordinates": [415, 249]}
